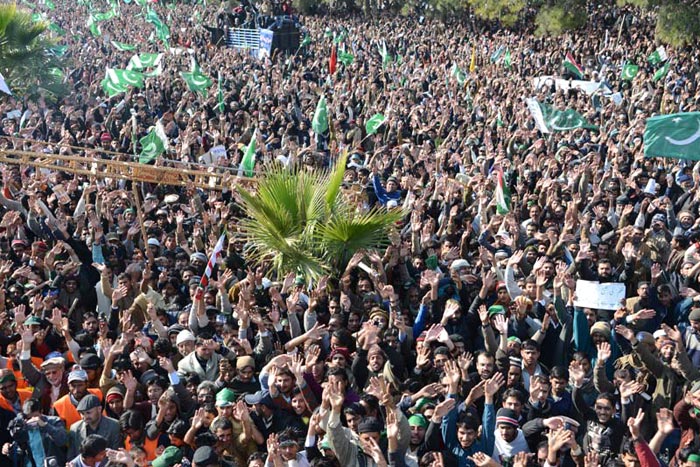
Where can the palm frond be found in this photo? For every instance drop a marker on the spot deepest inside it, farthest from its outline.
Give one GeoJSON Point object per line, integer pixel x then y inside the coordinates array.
{"type": "Point", "coordinates": [335, 181]}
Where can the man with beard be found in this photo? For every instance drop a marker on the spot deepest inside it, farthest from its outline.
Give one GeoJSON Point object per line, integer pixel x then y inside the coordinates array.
{"type": "Point", "coordinates": [602, 431]}
{"type": "Point", "coordinates": [49, 384]}
{"type": "Point", "coordinates": [670, 366]}
{"type": "Point", "coordinates": [67, 406]}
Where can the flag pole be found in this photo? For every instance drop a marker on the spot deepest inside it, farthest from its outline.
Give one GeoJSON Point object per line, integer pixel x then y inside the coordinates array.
{"type": "Point", "coordinates": [139, 213]}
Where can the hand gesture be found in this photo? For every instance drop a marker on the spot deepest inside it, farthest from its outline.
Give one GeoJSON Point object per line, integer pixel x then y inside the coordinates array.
{"type": "Point", "coordinates": [501, 324]}
{"type": "Point", "coordinates": [480, 459]}
{"type": "Point", "coordinates": [336, 397]}
{"type": "Point", "coordinates": [166, 364]}
{"type": "Point", "coordinates": [493, 385]}
{"type": "Point", "coordinates": [198, 419]}
{"type": "Point", "coordinates": [392, 425]}
{"type": "Point", "coordinates": [451, 309]}
{"type": "Point", "coordinates": [604, 352]}
{"type": "Point", "coordinates": [483, 314]}
{"type": "Point", "coordinates": [452, 373]}
{"type": "Point", "coordinates": [577, 373]}
{"type": "Point", "coordinates": [664, 421]}
{"type": "Point", "coordinates": [625, 332]}
{"type": "Point", "coordinates": [635, 424]}
{"type": "Point", "coordinates": [630, 388]}
{"type": "Point", "coordinates": [476, 393]}
{"type": "Point", "coordinates": [673, 333]}
{"type": "Point", "coordinates": [375, 452]}
{"type": "Point", "coordinates": [423, 357]}
{"type": "Point", "coordinates": [656, 271]}
{"type": "Point", "coordinates": [443, 408]}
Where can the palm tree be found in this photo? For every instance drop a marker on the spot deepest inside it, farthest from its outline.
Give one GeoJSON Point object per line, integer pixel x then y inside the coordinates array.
{"type": "Point", "coordinates": [300, 221]}
{"type": "Point", "coordinates": [24, 51]}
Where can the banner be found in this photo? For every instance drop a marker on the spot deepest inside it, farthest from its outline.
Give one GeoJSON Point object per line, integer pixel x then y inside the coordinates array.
{"type": "Point", "coordinates": [605, 296]}
{"type": "Point", "coordinates": [589, 87]}
{"type": "Point", "coordinates": [266, 41]}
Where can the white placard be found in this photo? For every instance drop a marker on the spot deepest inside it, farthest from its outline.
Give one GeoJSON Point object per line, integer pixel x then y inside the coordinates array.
{"type": "Point", "coordinates": [605, 296]}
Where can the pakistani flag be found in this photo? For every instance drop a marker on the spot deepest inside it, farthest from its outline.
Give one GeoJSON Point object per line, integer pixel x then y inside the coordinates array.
{"type": "Point", "coordinates": [220, 95]}
{"type": "Point", "coordinates": [507, 60]}
{"type": "Point", "coordinates": [374, 123]}
{"type": "Point", "coordinates": [112, 89]}
{"type": "Point", "coordinates": [153, 144]}
{"type": "Point", "coordinates": [93, 26]}
{"type": "Point", "coordinates": [59, 50]}
{"type": "Point", "coordinates": [106, 16]}
{"type": "Point", "coordinates": [345, 58]}
{"type": "Point", "coordinates": [162, 31]}
{"type": "Point", "coordinates": [502, 194]}
{"type": "Point", "coordinates": [459, 74]}
{"type": "Point", "coordinates": [306, 41]}
{"type": "Point", "coordinates": [125, 77]}
{"type": "Point", "coordinates": [141, 61]}
{"type": "Point", "coordinates": [248, 161]}
{"type": "Point", "coordinates": [549, 119]}
{"type": "Point", "coordinates": [386, 58]}
{"type": "Point", "coordinates": [573, 67]}
{"type": "Point", "coordinates": [629, 71]}
{"type": "Point", "coordinates": [196, 81]}
{"type": "Point", "coordinates": [657, 56]}
{"type": "Point", "coordinates": [662, 72]}
{"type": "Point", "coordinates": [49, 4]}
{"type": "Point", "coordinates": [122, 46]}
{"type": "Point", "coordinates": [56, 29]}
{"type": "Point", "coordinates": [320, 121]}
{"type": "Point", "coordinates": [497, 54]}
{"type": "Point", "coordinates": [675, 135]}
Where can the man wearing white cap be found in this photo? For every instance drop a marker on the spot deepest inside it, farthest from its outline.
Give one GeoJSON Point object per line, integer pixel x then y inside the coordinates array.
{"type": "Point", "coordinates": [50, 383]}
{"type": "Point", "coordinates": [66, 406]}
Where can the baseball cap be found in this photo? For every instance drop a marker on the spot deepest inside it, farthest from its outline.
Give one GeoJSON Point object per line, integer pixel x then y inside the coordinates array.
{"type": "Point", "coordinates": [170, 457]}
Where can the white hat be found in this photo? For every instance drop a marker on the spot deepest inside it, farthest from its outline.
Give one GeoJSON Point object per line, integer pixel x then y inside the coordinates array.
{"type": "Point", "coordinates": [153, 242]}
{"type": "Point", "coordinates": [77, 375]}
{"type": "Point", "coordinates": [659, 333]}
{"type": "Point", "coordinates": [184, 336]}
{"type": "Point", "coordinates": [459, 264]}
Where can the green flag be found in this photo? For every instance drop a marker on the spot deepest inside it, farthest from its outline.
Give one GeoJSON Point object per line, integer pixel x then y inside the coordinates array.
{"type": "Point", "coordinates": [56, 72]}
{"type": "Point", "coordinates": [662, 72]}
{"type": "Point", "coordinates": [320, 121]}
{"type": "Point", "coordinates": [141, 61]}
{"type": "Point", "coordinates": [112, 89]}
{"type": "Point", "coordinates": [36, 17]}
{"type": "Point", "coordinates": [306, 41]}
{"type": "Point", "coordinates": [507, 60]}
{"type": "Point", "coordinates": [125, 77]}
{"type": "Point", "coordinates": [374, 123]}
{"type": "Point", "coordinates": [657, 56]}
{"type": "Point", "coordinates": [122, 46]}
{"type": "Point", "coordinates": [345, 58]}
{"type": "Point", "coordinates": [248, 160]}
{"type": "Point", "coordinates": [196, 81]}
{"type": "Point", "coordinates": [548, 119]}
{"type": "Point", "coordinates": [629, 71]}
{"type": "Point", "coordinates": [458, 74]}
{"type": "Point", "coordinates": [497, 53]}
{"type": "Point", "coordinates": [675, 135]}
{"type": "Point", "coordinates": [386, 58]}
{"type": "Point", "coordinates": [340, 37]}
{"type": "Point", "coordinates": [220, 95]}
{"type": "Point", "coordinates": [59, 50]}
{"type": "Point", "coordinates": [56, 29]}
{"type": "Point", "coordinates": [106, 16]}
{"type": "Point", "coordinates": [93, 26]}
{"type": "Point", "coordinates": [152, 146]}
{"type": "Point", "coordinates": [49, 4]}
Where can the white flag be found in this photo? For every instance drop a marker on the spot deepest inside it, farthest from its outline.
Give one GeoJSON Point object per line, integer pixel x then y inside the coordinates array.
{"type": "Point", "coordinates": [536, 112]}
{"type": "Point", "coordinates": [3, 85]}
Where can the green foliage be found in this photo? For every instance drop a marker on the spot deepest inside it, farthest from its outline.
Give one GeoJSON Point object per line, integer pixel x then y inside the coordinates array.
{"type": "Point", "coordinates": [300, 221]}
{"type": "Point", "coordinates": [505, 11]}
{"type": "Point", "coordinates": [677, 24]}
{"type": "Point", "coordinates": [304, 6]}
{"type": "Point", "coordinates": [24, 56]}
{"type": "Point", "coordinates": [555, 19]}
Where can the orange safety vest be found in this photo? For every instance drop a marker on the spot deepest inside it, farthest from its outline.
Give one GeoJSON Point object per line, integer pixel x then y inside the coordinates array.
{"type": "Point", "coordinates": [67, 411]}
{"type": "Point", "coordinates": [23, 394]}
{"type": "Point", "coordinates": [21, 382]}
{"type": "Point", "coordinates": [150, 446]}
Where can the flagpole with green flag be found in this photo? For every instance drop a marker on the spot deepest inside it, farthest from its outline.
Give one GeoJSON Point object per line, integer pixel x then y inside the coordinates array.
{"type": "Point", "coordinates": [248, 161]}
{"type": "Point", "coordinates": [373, 123]}
{"type": "Point", "coordinates": [320, 121]}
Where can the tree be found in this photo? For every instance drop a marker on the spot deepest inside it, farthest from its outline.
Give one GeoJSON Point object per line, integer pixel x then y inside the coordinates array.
{"type": "Point", "coordinates": [557, 17]}
{"type": "Point", "coordinates": [24, 52]}
{"type": "Point", "coordinates": [677, 24]}
{"type": "Point", "coordinates": [301, 221]}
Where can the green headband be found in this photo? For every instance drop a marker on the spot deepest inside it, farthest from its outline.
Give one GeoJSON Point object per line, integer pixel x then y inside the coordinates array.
{"type": "Point", "coordinates": [418, 420]}
{"type": "Point", "coordinates": [694, 458]}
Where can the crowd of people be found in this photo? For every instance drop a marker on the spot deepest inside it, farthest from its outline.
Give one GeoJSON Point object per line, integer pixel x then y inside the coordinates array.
{"type": "Point", "coordinates": [460, 344]}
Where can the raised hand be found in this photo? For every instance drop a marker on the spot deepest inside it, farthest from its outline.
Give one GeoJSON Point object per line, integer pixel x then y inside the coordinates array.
{"type": "Point", "coordinates": [501, 324]}
{"type": "Point", "coordinates": [493, 385]}
{"type": "Point", "coordinates": [635, 424]}
{"type": "Point", "coordinates": [443, 408]}
{"type": "Point", "coordinates": [664, 421]}
{"type": "Point", "coordinates": [625, 332]}
{"type": "Point", "coordinates": [604, 352]}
